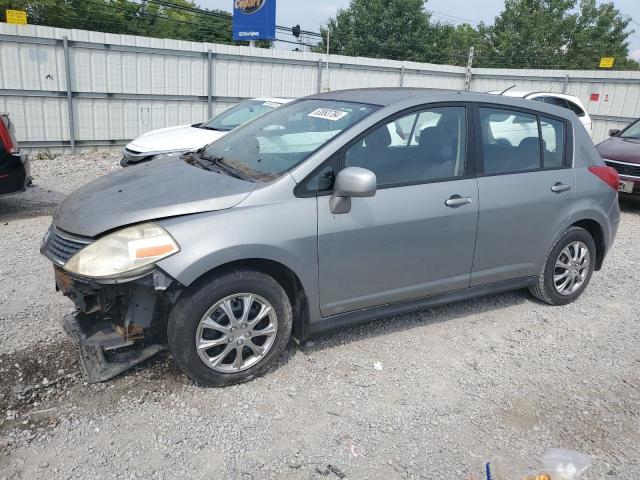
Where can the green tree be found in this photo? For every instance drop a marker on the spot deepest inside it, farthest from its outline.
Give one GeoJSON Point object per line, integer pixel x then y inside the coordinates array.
{"type": "Point", "coordinates": [556, 34]}
{"type": "Point", "coordinates": [530, 33]}
{"type": "Point", "coordinates": [393, 29]}
{"type": "Point", "coordinates": [600, 31]}
{"type": "Point", "coordinates": [458, 40]}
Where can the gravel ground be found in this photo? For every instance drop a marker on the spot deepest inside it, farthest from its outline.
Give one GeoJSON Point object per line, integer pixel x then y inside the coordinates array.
{"type": "Point", "coordinates": [429, 395]}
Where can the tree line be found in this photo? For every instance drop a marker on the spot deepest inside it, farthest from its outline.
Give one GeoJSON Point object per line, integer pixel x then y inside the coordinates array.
{"type": "Point", "coordinates": [563, 34]}
{"type": "Point", "coordinates": [177, 19]}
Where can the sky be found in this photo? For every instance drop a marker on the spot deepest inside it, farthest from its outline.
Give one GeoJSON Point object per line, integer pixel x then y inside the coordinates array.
{"type": "Point", "coordinates": [310, 14]}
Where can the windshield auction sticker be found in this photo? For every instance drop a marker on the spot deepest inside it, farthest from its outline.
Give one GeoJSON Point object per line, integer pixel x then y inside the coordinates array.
{"type": "Point", "coordinates": [271, 104]}
{"type": "Point", "coordinates": [328, 114]}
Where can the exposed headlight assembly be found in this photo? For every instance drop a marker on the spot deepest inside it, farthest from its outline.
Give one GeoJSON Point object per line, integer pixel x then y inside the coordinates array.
{"type": "Point", "coordinates": [128, 252]}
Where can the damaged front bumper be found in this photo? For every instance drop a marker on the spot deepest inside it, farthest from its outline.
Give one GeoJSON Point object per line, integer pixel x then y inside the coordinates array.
{"type": "Point", "coordinates": [117, 325]}
{"type": "Point", "coordinates": [102, 352]}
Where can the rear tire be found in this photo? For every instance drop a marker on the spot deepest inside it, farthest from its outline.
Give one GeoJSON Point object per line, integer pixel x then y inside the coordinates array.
{"type": "Point", "coordinates": [246, 341]}
{"type": "Point", "coordinates": [568, 268]}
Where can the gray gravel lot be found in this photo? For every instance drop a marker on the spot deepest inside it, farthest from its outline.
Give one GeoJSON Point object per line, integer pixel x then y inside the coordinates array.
{"type": "Point", "coordinates": [501, 376]}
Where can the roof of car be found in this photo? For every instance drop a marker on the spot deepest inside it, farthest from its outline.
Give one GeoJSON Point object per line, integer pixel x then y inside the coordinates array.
{"type": "Point", "coordinates": [382, 96]}
{"type": "Point", "coordinates": [388, 96]}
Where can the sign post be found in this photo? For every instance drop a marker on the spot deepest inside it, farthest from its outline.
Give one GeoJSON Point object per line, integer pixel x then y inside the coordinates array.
{"type": "Point", "coordinates": [254, 20]}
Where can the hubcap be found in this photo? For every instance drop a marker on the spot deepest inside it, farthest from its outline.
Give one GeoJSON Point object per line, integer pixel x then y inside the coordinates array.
{"type": "Point", "coordinates": [236, 333]}
{"type": "Point", "coordinates": [572, 266]}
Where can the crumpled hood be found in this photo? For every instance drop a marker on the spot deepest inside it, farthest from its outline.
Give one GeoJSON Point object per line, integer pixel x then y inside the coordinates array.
{"type": "Point", "coordinates": [163, 188]}
{"type": "Point", "coordinates": [183, 137]}
{"type": "Point", "coordinates": [623, 149]}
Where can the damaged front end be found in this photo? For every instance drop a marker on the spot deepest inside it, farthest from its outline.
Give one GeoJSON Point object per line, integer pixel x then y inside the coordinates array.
{"type": "Point", "coordinates": [118, 323]}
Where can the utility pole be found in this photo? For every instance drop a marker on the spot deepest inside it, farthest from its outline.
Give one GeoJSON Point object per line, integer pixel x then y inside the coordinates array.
{"type": "Point", "coordinates": [467, 78]}
{"type": "Point", "coordinates": [328, 87]}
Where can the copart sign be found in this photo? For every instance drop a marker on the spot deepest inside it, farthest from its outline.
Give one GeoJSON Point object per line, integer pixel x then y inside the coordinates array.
{"type": "Point", "coordinates": [254, 19]}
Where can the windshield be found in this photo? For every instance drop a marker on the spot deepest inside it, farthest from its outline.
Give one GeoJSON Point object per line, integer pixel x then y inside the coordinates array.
{"type": "Point", "coordinates": [241, 113]}
{"type": "Point", "coordinates": [281, 139]}
{"type": "Point", "coordinates": [632, 132]}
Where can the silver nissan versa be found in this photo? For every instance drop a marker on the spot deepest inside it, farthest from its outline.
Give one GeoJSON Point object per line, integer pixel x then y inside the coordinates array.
{"type": "Point", "coordinates": [335, 209]}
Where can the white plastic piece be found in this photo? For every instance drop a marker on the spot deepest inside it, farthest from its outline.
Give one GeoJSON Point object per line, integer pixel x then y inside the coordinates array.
{"type": "Point", "coordinates": [566, 464]}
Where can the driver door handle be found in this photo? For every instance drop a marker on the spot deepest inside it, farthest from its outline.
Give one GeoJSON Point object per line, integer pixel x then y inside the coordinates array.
{"type": "Point", "coordinates": [560, 187]}
{"type": "Point", "coordinates": [457, 201]}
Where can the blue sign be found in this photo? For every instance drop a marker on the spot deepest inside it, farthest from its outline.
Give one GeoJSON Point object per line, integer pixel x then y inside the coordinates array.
{"type": "Point", "coordinates": [254, 20]}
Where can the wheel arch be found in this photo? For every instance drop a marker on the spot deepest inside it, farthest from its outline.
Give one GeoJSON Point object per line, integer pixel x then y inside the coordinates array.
{"type": "Point", "coordinates": [597, 233]}
{"type": "Point", "coordinates": [282, 274]}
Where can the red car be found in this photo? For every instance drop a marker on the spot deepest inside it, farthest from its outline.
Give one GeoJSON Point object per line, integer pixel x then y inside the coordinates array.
{"type": "Point", "coordinates": [15, 173]}
{"type": "Point", "coordinates": [622, 152]}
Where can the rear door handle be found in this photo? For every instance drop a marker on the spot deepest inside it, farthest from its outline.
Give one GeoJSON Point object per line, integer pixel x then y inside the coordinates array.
{"type": "Point", "coordinates": [457, 201]}
{"type": "Point", "coordinates": [560, 187]}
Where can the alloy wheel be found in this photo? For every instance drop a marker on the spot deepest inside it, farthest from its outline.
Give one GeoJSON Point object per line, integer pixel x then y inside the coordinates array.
{"type": "Point", "coordinates": [236, 332]}
{"type": "Point", "coordinates": [572, 268]}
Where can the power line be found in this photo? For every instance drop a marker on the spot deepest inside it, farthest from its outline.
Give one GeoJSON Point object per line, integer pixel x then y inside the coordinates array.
{"type": "Point", "coordinates": [294, 43]}
{"type": "Point", "coordinates": [138, 12]}
{"type": "Point", "coordinates": [202, 11]}
{"type": "Point", "coordinates": [157, 16]}
{"type": "Point", "coordinates": [460, 19]}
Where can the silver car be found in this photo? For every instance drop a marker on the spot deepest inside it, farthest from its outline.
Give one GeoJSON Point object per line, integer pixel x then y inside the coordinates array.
{"type": "Point", "coordinates": [335, 209]}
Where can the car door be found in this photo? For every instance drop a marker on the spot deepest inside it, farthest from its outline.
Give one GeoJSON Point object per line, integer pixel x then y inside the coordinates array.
{"type": "Point", "coordinates": [416, 236]}
{"type": "Point", "coordinates": [526, 190]}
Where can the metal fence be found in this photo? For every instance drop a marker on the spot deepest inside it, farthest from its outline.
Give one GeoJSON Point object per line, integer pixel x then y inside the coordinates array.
{"type": "Point", "coordinates": [121, 86]}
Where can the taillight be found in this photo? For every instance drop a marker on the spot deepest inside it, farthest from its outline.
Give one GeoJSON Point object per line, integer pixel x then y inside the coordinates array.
{"type": "Point", "coordinates": [608, 175]}
{"type": "Point", "coordinates": [5, 137]}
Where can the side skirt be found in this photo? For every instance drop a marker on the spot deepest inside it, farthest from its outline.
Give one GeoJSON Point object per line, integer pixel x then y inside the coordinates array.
{"type": "Point", "coordinates": [374, 313]}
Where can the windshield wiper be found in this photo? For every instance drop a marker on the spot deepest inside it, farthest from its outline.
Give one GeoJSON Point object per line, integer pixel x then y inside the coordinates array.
{"type": "Point", "coordinates": [193, 158]}
{"type": "Point", "coordinates": [218, 162]}
{"type": "Point", "coordinates": [205, 127]}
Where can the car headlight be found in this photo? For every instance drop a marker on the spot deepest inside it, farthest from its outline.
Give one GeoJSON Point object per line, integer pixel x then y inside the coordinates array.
{"type": "Point", "coordinates": [127, 252]}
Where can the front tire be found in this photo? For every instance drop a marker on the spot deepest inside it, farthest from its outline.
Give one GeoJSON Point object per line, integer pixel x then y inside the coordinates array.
{"type": "Point", "coordinates": [568, 268]}
{"type": "Point", "coordinates": [230, 328]}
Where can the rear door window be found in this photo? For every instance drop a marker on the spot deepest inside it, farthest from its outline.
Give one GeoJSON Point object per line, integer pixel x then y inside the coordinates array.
{"type": "Point", "coordinates": [510, 141]}
{"type": "Point", "coordinates": [516, 141]}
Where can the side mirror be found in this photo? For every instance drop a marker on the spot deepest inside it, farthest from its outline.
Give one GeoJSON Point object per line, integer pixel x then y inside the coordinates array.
{"type": "Point", "coordinates": [351, 182]}
{"type": "Point", "coordinates": [613, 132]}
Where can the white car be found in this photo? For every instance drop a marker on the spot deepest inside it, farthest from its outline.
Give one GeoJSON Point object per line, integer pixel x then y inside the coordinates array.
{"type": "Point", "coordinates": [186, 138]}
{"type": "Point", "coordinates": [558, 99]}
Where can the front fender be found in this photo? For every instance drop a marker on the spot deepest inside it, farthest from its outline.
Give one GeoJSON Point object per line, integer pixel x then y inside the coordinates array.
{"type": "Point", "coordinates": [285, 233]}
